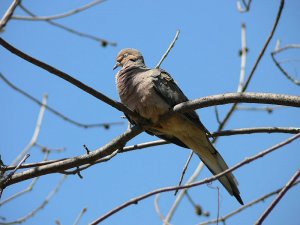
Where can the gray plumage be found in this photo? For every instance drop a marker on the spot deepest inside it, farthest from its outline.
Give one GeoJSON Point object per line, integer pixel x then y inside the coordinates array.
{"type": "Point", "coordinates": [151, 93]}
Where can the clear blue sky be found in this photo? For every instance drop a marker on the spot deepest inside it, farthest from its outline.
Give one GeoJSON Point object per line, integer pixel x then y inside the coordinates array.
{"type": "Point", "coordinates": [204, 62]}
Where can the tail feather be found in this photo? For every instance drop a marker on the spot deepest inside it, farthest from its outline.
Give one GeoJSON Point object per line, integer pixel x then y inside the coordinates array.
{"type": "Point", "coordinates": [213, 160]}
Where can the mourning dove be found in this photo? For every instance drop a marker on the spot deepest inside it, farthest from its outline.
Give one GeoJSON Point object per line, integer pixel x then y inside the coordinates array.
{"type": "Point", "coordinates": [151, 93]}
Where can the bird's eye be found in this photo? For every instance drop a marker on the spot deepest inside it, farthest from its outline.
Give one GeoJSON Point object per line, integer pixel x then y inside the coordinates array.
{"type": "Point", "coordinates": [125, 55]}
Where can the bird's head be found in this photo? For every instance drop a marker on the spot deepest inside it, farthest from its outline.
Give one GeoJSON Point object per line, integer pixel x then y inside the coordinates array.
{"type": "Point", "coordinates": [128, 56]}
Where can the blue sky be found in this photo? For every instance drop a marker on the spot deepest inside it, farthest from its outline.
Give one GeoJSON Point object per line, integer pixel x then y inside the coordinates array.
{"type": "Point", "coordinates": [204, 62]}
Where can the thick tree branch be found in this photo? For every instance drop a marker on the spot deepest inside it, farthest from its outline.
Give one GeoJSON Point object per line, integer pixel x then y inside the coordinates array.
{"type": "Point", "coordinates": [59, 166]}
{"type": "Point", "coordinates": [221, 99]}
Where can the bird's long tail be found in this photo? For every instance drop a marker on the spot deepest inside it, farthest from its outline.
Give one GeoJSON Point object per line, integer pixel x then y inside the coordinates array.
{"type": "Point", "coordinates": [214, 162]}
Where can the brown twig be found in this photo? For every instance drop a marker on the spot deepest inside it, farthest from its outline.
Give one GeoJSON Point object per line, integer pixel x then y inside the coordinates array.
{"type": "Point", "coordinates": [59, 16]}
{"type": "Point", "coordinates": [204, 181]}
{"type": "Point", "coordinates": [8, 14]}
{"type": "Point", "coordinates": [260, 199]}
{"type": "Point", "coordinates": [168, 50]}
{"type": "Point", "coordinates": [278, 198]}
{"type": "Point", "coordinates": [184, 170]}
{"type": "Point", "coordinates": [103, 42]}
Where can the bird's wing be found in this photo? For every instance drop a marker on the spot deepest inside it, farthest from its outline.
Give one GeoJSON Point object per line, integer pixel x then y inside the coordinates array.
{"type": "Point", "coordinates": [169, 91]}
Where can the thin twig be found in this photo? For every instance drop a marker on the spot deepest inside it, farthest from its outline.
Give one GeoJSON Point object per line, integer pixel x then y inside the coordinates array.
{"type": "Point", "coordinates": [182, 193]}
{"type": "Point", "coordinates": [168, 50]}
{"type": "Point", "coordinates": [157, 209]}
{"type": "Point", "coordinates": [246, 5]}
{"type": "Point", "coordinates": [260, 199]}
{"type": "Point", "coordinates": [278, 198]}
{"type": "Point", "coordinates": [8, 14]}
{"type": "Point", "coordinates": [54, 111]}
{"type": "Point", "coordinates": [41, 206]}
{"type": "Point", "coordinates": [36, 132]}
{"type": "Point", "coordinates": [278, 50]}
{"type": "Point", "coordinates": [28, 189]}
{"type": "Point", "coordinates": [5, 179]}
{"type": "Point", "coordinates": [103, 42]}
{"type": "Point", "coordinates": [268, 109]}
{"type": "Point", "coordinates": [59, 16]}
{"type": "Point", "coordinates": [262, 52]}
{"type": "Point", "coordinates": [217, 115]}
{"type": "Point", "coordinates": [243, 55]}
{"type": "Point", "coordinates": [82, 212]}
{"type": "Point", "coordinates": [204, 181]}
{"type": "Point", "coordinates": [184, 170]}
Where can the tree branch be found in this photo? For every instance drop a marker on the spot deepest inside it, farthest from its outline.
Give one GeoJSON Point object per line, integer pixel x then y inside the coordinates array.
{"type": "Point", "coordinates": [54, 111]}
{"type": "Point", "coordinates": [277, 199]}
{"type": "Point", "coordinates": [260, 199]}
{"type": "Point", "coordinates": [117, 105]}
{"type": "Point", "coordinates": [168, 50]}
{"type": "Point", "coordinates": [204, 181]}
{"type": "Point", "coordinates": [59, 16]}
{"type": "Point", "coordinates": [8, 14]}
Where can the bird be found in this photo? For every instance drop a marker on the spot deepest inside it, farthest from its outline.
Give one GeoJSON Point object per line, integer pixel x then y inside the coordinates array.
{"type": "Point", "coordinates": [151, 93]}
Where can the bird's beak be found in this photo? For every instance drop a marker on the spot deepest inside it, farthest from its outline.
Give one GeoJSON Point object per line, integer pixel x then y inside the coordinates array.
{"type": "Point", "coordinates": [117, 65]}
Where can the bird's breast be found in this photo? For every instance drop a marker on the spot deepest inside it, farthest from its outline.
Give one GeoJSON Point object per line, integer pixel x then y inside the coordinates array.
{"type": "Point", "coordinates": [138, 94]}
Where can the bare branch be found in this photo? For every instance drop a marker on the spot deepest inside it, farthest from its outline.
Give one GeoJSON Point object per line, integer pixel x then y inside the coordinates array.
{"type": "Point", "coordinates": [184, 169]}
{"type": "Point", "coordinates": [288, 130]}
{"type": "Point", "coordinates": [66, 164]}
{"type": "Point", "coordinates": [82, 212]}
{"type": "Point", "coordinates": [182, 193]}
{"type": "Point", "coordinates": [260, 199]}
{"type": "Point", "coordinates": [103, 42]}
{"type": "Point", "coordinates": [221, 99]}
{"type": "Point", "coordinates": [243, 55]}
{"type": "Point", "coordinates": [246, 5]}
{"type": "Point", "coordinates": [168, 50]}
{"type": "Point", "coordinates": [36, 130]}
{"type": "Point", "coordinates": [204, 181]}
{"type": "Point", "coordinates": [54, 111]}
{"type": "Point", "coordinates": [28, 189]}
{"type": "Point", "coordinates": [268, 109]}
{"type": "Point", "coordinates": [278, 198]}
{"type": "Point", "coordinates": [157, 209]}
{"type": "Point", "coordinates": [8, 14]}
{"type": "Point", "coordinates": [262, 52]}
{"type": "Point", "coordinates": [117, 105]}
{"type": "Point", "coordinates": [59, 16]}
{"type": "Point", "coordinates": [278, 50]}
